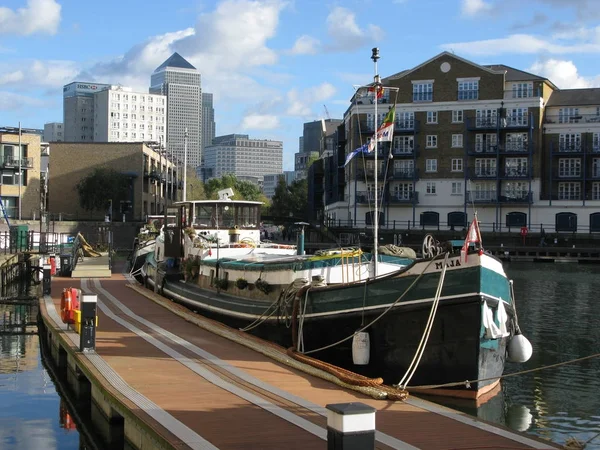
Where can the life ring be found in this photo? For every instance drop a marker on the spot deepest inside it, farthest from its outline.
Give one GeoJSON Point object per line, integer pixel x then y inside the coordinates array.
{"type": "Point", "coordinates": [66, 305]}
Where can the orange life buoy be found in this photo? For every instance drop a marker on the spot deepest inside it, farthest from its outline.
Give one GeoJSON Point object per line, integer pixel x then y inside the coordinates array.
{"type": "Point", "coordinates": [66, 305]}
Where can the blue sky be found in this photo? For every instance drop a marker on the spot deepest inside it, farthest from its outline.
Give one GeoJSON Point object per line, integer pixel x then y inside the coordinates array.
{"type": "Point", "coordinates": [273, 64]}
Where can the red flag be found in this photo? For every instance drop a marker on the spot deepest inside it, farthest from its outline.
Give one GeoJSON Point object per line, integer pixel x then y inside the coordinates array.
{"type": "Point", "coordinates": [473, 236]}
{"type": "Point", "coordinates": [378, 90]}
{"type": "Point", "coordinates": [209, 252]}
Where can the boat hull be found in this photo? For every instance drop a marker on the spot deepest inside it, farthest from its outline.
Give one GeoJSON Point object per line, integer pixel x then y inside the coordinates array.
{"type": "Point", "coordinates": [457, 349]}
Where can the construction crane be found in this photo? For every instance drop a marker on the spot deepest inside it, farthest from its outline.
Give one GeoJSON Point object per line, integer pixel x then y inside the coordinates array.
{"type": "Point", "coordinates": [327, 112]}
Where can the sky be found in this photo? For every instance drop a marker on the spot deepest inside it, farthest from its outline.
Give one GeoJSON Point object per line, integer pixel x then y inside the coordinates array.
{"type": "Point", "coordinates": [273, 65]}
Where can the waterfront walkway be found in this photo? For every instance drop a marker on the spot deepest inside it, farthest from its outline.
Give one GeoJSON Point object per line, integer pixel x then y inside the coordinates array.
{"type": "Point", "coordinates": [199, 390]}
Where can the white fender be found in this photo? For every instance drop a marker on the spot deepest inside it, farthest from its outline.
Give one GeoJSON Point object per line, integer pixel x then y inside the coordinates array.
{"type": "Point", "coordinates": [519, 349]}
{"type": "Point", "coordinates": [361, 348]}
{"type": "Point", "coordinates": [519, 418]}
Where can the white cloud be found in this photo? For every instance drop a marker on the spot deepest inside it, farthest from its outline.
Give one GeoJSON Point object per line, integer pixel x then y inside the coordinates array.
{"type": "Point", "coordinates": [299, 102]}
{"type": "Point", "coordinates": [519, 44]}
{"type": "Point", "coordinates": [475, 7]}
{"type": "Point", "coordinates": [305, 45]}
{"type": "Point", "coordinates": [39, 16]}
{"type": "Point", "coordinates": [563, 74]}
{"type": "Point", "coordinates": [35, 73]}
{"type": "Point", "coordinates": [260, 122]}
{"type": "Point", "coordinates": [9, 101]}
{"type": "Point", "coordinates": [345, 33]}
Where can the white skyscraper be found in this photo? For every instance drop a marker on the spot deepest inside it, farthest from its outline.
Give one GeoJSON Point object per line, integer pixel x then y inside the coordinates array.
{"type": "Point", "coordinates": [181, 83]}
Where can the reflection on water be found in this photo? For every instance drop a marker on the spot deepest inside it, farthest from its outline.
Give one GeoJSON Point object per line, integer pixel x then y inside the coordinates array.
{"type": "Point", "coordinates": [29, 416]}
{"type": "Point", "coordinates": [558, 312]}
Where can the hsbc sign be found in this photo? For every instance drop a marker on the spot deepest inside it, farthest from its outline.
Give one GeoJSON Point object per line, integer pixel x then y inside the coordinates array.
{"type": "Point", "coordinates": [76, 88]}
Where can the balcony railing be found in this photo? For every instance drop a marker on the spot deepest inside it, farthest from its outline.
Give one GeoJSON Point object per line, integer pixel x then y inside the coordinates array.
{"type": "Point", "coordinates": [468, 94]}
{"type": "Point", "coordinates": [363, 197]}
{"type": "Point", "coordinates": [522, 92]}
{"type": "Point", "coordinates": [405, 174]}
{"type": "Point", "coordinates": [403, 150]}
{"type": "Point", "coordinates": [572, 118]}
{"type": "Point", "coordinates": [405, 125]}
{"type": "Point", "coordinates": [567, 196]}
{"type": "Point", "coordinates": [485, 148]}
{"type": "Point", "coordinates": [571, 174]}
{"type": "Point", "coordinates": [515, 196]}
{"type": "Point", "coordinates": [404, 197]}
{"type": "Point", "coordinates": [482, 196]}
{"type": "Point", "coordinates": [13, 162]}
{"type": "Point", "coordinates": [514, 147]}
{"type": "Point", "coordinates": [485, 172]}
{"type": "Point", "coordinates": [512, 172]}
{"type": "Point", "coordinates": [514, 121]}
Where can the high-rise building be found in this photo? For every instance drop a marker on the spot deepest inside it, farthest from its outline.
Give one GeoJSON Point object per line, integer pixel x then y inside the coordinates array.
{"type": "Point", "coordinates": [317, 140]}
{"type": "Point", "coordinates": [121, 115]}
{"type": "Point", "coordinates": [181, 83]}
{"type": "Point", "coordinates": [53, 132]}
{"type": "Point", "coordinates": [78, 110]}
{"type": "Point", "coordinates": [236, 154]}
{"type": "Point", "coordinates": [208, 120]}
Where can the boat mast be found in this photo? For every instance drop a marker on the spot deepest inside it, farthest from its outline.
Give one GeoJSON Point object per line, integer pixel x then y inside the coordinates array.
{"type": "Point", "coordinates": [376, 84]}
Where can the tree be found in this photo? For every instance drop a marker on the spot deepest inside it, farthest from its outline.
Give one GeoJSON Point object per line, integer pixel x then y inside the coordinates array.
{"type": "Point", "coordinates": [195, 187]}
{"type": "Point", "coordinates": [290, 201]}
{"type": "Point", "coordinates": [99, 188]}
{"type": "Point", "coordinates": [243, 190]}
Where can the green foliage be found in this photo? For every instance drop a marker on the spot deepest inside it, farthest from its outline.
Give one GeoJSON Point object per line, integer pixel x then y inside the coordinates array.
{"type": "Point", "coordinates": [99, 187]}
{"type": "Point", "coordinates": [263, 286]}
{"type": "Point", "coordinates": [195, 187]}
{"type": "Point", "coordinates": [290, 201]}
{"type": "Point", "coordinates": [243, 190]}
{"type": "Point", "coordinates": [241, 283]}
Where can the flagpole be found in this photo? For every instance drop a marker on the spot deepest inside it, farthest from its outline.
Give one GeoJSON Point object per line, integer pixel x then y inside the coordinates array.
{"type": "Point", "coordinates": [375, 57]}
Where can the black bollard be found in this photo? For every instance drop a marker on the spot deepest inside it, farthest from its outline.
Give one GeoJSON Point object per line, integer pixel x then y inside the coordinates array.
{"type": "Point", "coordinates": [350, 426]}
{"type": "Point", "coordinates": [87, 337]}
{"type": "Point", "coordinates": [46, 280]}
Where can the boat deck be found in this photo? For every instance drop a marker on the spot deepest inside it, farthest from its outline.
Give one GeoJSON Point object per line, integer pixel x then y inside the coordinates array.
{"type": "Point", "coordinates": [202, 390]}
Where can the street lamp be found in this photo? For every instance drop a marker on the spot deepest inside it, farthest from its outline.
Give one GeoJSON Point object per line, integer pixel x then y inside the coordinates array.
{"type": "Point", "coordinates": [185, 139]}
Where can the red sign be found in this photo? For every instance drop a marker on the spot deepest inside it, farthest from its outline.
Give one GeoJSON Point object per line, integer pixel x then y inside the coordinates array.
{"type": "Point", "coordinates": [524, 231]}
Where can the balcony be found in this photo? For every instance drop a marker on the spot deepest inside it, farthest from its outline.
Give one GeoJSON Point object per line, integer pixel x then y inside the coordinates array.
{"type": "Point", "coordinates": [468, 94]}
{"type": "Point", "coordinates": [367, 197]}
{"type": "Point", "coordinates": [489, 196]}
{"type": "Point", "coordinates": [405, 125]}
{"type": "Point", "coordinates": [363, 174]}
{"type": "Point", "coordinates": [567, 196]}
{"type": "Point", "coordinates": [13, 162]}
{"type": "Point", "coordinates": [482, 123]}
{"type": "Point", "coordinates": [514, 147]}
{"type": "Point", "coordinates": [405, 151]}
{"type": "Point", "coordinates": [516, 173]}
{"type": "Point", "coordinates": [571, 119]}
{"type": "Point", "coordinates": [522, 92]}
{"type": "Point", "coordinates": [479, 148]}
{"type": "Point", "coordinates": [403, 198]}
{"type": "Point", "coordinates": [514, 122]}
{"type": "Point", "coordinates": [483, 172]}
{"type": "Point", "coordinates": [516, 196]}
{"type": "Point", "coordinates": [405, 174]}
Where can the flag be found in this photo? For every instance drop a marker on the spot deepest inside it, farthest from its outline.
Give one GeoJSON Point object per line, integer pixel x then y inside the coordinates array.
{"type": "Point", "coordinates": [378, 90]}
{"type": "Point", "coordinates": [209, 252]}
{"type": "Point", "coordinates": [385, 133]}
{"type": "Point", "coordinates": [362, 149]}
{"type": "Point", "coordinates": [473, 236]}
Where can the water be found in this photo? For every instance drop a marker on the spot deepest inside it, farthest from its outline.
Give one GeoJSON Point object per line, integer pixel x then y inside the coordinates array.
{"type": "Point", "coordinates": [29, 403]}
{"type": "Point", "coordinates": [558, 313]}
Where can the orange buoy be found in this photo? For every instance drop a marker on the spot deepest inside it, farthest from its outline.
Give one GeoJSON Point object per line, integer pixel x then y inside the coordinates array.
{"type": "Point", "coordinates": [66, 306]}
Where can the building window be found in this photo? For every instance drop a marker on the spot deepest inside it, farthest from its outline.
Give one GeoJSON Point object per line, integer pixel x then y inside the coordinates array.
{"type": "Point", "coordinates": [431, 165]}
{"type": "Point", "coordinates": [457, 165]}
{"type": "Point", "coordinates": [522, 90]}
{"type": "Point", "coordinates": [468, 89]}
{"type": "Point", "coordinates": [403, 191]}
{"type": "Point", "coordinates": [405, 120]}
{"type": "Point", "coordinates": [568, 115]}
{"type": "Point", "coordinates": [516, 167]}
{"type": "Point", "coordinates": [485, 118]}
{"type": "Point", "coordinates": [569, 142]}
{"type": "Point", "coordinates": [431, 188]}
{"type": "Point", "coordinates": [569, 167]}
{"type": "Point", "coordinates": [595, 142]}
{"type": "Point", "coordinates": [403, 144]}
{"type": "Point", "coordinates": [569, 191]}
{"type": "Point", "coordinates": [422, 91]}
{"type": "Point", "coordinates": [485, 167]}
{"type": "Point", "coordinates": [596, 168]}
{"type": "Point", "coordinates": [486, 143]}
{"type": "Point", "coordinates": [457, 116]}
{"type": "Point", "coordinates": [595, 191]}
{"type": "Point", "coordinates": [457, 188]}
{"type": "Point", "coordinates": [431, 141]}
{"type": "Point", "coordinates": [517, 117]}
{"type": "Point", "coordinates": [457, 140]}
{"type": "Point", "coordinates": [432, 117]}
